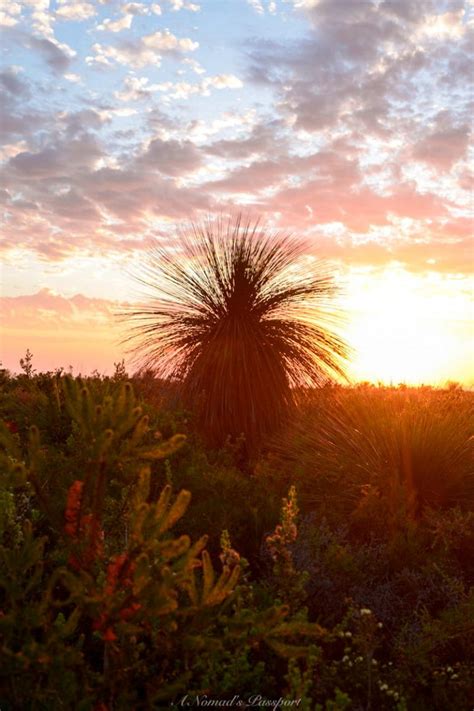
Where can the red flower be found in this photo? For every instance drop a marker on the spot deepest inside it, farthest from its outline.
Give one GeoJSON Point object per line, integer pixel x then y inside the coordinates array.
{"type": "Point", "coordinates": [109, 635]}
{"type": "Point", "coordinates": [130, 611]}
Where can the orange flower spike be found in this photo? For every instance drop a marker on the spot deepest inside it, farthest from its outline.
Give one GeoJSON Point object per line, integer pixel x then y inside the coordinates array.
{"type": "Point", "coordinates": [73, 507]}
{"type": "Point", "coordinates": [114, 571]}
{"type": "Point", "coordinates": [92, 532]}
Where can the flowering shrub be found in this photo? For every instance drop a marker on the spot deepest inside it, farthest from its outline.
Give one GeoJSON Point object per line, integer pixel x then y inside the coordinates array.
{"type": "Point", "coordinates": [117, 614]}
{"type": "Point", "coordinates": [113, 596]}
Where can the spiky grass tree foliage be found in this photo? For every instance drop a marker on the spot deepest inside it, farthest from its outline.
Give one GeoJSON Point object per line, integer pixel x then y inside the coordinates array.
{"type": "Point", "coordinates": [414, 447]}
{"type": "Point", "coordinates": [241, 328]}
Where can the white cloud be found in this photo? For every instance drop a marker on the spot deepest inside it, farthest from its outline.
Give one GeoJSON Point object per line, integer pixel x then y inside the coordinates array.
{"type": "Point", "coordinates": [106, 56]}
{"type": "Point", "coordinates": [183, 90]}
{"type": "Point", "coordinates": [147, 50]}
{"type": "Point", "coordinates": [9, 12]}
{"type": "Point", "coordinates": [122, 112]}
{"type": "Point", "coordinates": [202, 130]}
{"type": "Point", "coordinates": [135, 88]}
{"type": "Point", "coordinates": [257, 6]}
{"type": "Point", "coordinates": [12, 149]}
{"type": "Point", "coordinates": [165, 41]}
{"type": "Point", "coordinates": [223, 81]}
{"type": "Point", "coordinates": [123, 23]}
{"type": "Point", "coordinates": [177, 5]}
{"type": "Point", "coordinates": [73, 10]}
{"type": "Point", "coordinates": [446, 26]}
{"type": "Point", "coordinates": [194, 65]}
{"type": "Point", "coordinates": [138, 8]}
{"type": "Point", "coordinates": [73, 78]}
{"type": "Point", "coordinates": [41, 18]}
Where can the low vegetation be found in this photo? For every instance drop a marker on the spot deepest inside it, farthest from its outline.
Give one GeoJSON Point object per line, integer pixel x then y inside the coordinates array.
{"type": "Point", "coordinates": [138, 564]}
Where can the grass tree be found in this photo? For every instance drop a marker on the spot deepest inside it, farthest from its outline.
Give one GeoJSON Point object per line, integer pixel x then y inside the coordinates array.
{"type": "Point", "coordinates": [231, 315]}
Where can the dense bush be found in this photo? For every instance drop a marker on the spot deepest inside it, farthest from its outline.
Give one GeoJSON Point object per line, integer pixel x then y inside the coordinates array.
{"type": "Point", "coordinates": [116, 592]}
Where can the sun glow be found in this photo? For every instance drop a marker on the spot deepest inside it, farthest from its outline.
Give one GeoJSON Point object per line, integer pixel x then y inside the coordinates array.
{"type": "Point", "coordinates": [411, 329]}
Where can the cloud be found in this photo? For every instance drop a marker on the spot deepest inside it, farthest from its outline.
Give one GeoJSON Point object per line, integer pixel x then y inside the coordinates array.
{"type": "Point", "coordinates": [139, 8]}
{"type": "Point", "coordinates": [194, 65]}
{"type": "Point", "coordinates": [137, 53]}
{"type": "Point", "coordinates": [177, 5]}
{"type": "Point", "coordinates": [135, 88]}
{"type": "Point", "coordinates": [42, 19]}
{"type": "Point", "coordinates": [122, 23]}
{"type": "Point", "coordinates": [57, 56]}
{"type": "Point", "coordinates": [9, 14]}
{"type": "Point", "coordinates": [13, 83]}
{"type": "Point", "coordinates": [73, 78]}
{"type": "Point", "coordinates": [257, 5]}
{"type": "Point", "coordinates": [74, 10]}
{"type": "Point", "coordinates": [183, 89]}
{"type": "Point", "coordinates": [265, 138]}
{"type": "Point", "coordinates": [56, 160]}
{"type": "Point", "coordinates": [11, 150]}
{"type": "Point", "coordinates": [442, 148]}
{"type": "Point", "coordinates": [174, 158]}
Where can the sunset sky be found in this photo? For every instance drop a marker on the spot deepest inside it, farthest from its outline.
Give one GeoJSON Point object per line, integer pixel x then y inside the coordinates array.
{"type": "Point", "coordinates": [344, 121]}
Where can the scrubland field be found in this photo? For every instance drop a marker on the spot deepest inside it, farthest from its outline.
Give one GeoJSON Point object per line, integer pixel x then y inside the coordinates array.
{"type": "Point", "coordinates": [137, 565]}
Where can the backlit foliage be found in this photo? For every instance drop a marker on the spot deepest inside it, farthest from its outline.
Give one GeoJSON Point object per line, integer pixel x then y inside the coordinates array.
{"type": "Point", "coordinates": [137, 566]}
{"type": "Point", "coordinates": [232, 318]}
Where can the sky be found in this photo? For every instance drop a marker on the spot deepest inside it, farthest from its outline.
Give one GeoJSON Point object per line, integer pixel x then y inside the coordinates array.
{"type": "Point", "coordinates": [345, 122]}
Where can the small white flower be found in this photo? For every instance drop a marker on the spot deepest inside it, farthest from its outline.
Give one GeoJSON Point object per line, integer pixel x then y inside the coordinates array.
{"type": "Point", "coordinates": [365, 611]}
{"type": "Point", "coordinates": [348, 634]}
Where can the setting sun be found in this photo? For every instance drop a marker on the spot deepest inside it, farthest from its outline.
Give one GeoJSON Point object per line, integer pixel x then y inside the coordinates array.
{"type": "Point", "coordinates": [406, 329]}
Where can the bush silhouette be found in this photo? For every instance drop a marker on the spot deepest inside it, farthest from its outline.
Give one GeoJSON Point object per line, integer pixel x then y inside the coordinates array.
{"type": "Point", "coordinates": [238, 325]}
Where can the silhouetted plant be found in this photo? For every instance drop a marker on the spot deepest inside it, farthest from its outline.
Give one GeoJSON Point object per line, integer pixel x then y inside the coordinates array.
{"type": "Point", "coordinates": [26, 364]}
{"type": "Point", "coordinates": [414, 449]}
{"type": "Point", "coordinates": [232, 318]}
